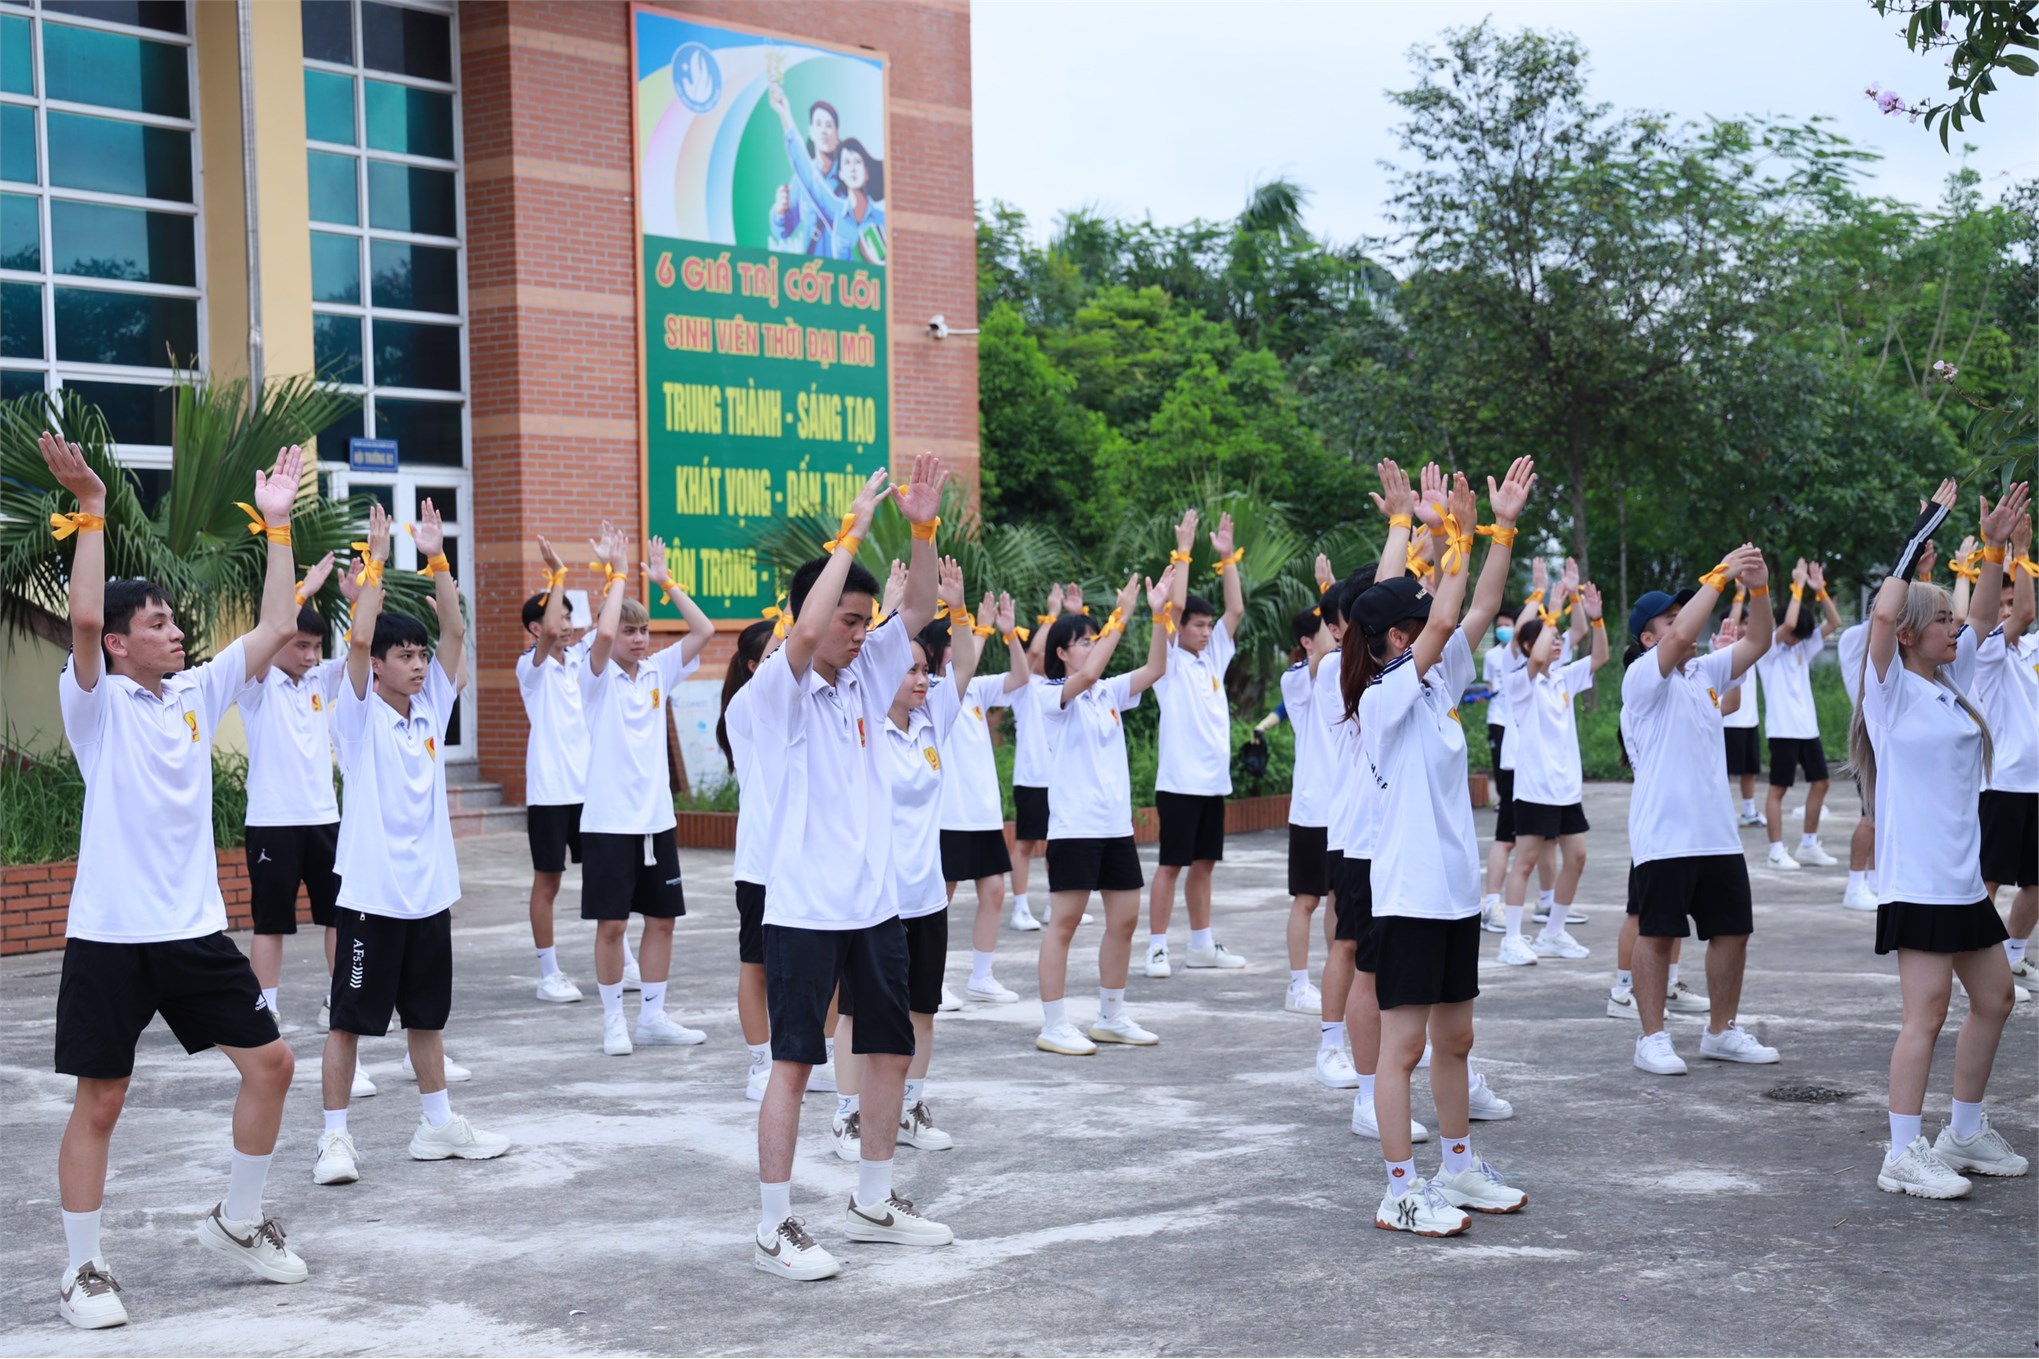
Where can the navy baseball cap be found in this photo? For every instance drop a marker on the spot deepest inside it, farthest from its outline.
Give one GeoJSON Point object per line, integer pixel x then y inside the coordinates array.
{"type": "Point", "coordinates": [1653, 603]}
{"type": "Point", "coordinates": [1385, 603]}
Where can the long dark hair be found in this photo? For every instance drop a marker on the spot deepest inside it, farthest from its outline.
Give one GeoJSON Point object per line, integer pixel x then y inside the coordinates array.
{"type": "Point", "coordinates": [1067, 629]}
{"type": "Point", "coordinates": [934, 643]}
{"type": "Point", "coordinates": [874, 170]}
{"type": "Point", "coordinates": [750, 649]}
{"type": "Point", "coordinates": [1357, 665]}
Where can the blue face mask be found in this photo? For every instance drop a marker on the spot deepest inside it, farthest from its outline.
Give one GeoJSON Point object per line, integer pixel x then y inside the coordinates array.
{"type": "Point", "coordinates": [1504, 634]}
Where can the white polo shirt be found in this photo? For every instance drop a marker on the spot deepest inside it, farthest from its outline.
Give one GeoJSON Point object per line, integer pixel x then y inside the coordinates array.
{"type": "Point", "coordinates": [1196, 720]}
{"type": "Point", "coordinates": [1928, 757]}
{"type": "Point", "coordinates": [1310, 784]}
{"type": "Point", "coordinates": [146, 866]}
{"type": "Point", "coordinates": [1501, 661]}
{"type": "Point", "coordinates": [1033, 755]}
{"type": "Point", "coordinates": [823, 769]}
{"type": "Point", "coordinates": [1342, 755]}
{"type": "Point", "coordinates": [914, 763]}
{"type": "Point", "coordinates": [290, 745]}
{"type": "Point", "coordinates": [754, 805]}
{"type": "Point", "coordinates": [1852, 648]}
{"type": "Point", "coordinates": [629, 789]}
{"type": "Point", "coordinates": [396, 839]}
{"type": "Point", "coordinates": [1426, 864]}
{"type": "Point", "coordinates": [1786, 670]}
{"type": "Point", "coordinates": [970, 800]}
{"type": "Point", "coordinates": [1745, 714]}
{"type": "Point", "coordinates": [1090, 790]}
{"type": "Point", "coordinates": [1515, 666]}
{"type": "Point", "coordinates": [1545, 733]}
{"type": "Point", "coordinates": [556, 751]}
{"type": "Point", "coordinates": [2007, 691]}
{"type": "Point", "coordinates": [1670, 725]}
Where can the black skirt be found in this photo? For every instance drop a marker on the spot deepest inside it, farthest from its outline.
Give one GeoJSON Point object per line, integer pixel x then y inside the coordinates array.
{"type": "Point", "coordinates": [1938, 929]}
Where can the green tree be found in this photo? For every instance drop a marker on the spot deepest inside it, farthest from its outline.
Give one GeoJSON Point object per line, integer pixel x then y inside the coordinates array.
{"type": "Point", "coordinates": [1978, 37]}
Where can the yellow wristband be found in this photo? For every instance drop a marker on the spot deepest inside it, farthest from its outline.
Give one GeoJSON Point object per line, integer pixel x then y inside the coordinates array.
{"type": "Point", "coordinates": [1797, 591]}
{"type": "Point", "coordinates": [1820, 595]}
{"type": "Point", "coordinates": [63, 526]}
{"type": "Point", "coordinates": [1324, 586]}
{"type": "Point", "coordinates": [1503, 537]}
{"type": "Point", "coordinates": [925, 532]}
{"type": "Point", "coordinates": [1043, 620]}
{"type": "Point", "coordinates": [1225, 564]}
{"type": "Point", "coordinates": [1401, 521]}
{"type": "Point", "coordinates": [1758, 591]}
{"type": "Point", "coordinates": [436, 566]}
{"type": "Point", "coordinates": [1715, 580]}
{"type": "Point", "coordinates": [298, 594]}
{"type": "Point", "coordinates": [1179, 557]}
{"type": "Point", "coordinates": [1017, 631]}
{"type": "Point", "coordinates": [1596, 622]}
{"type": "Point", "coordinates": [844, 538]}
{"type": "Point", "coordinates": [370, 574]}
{"type": "Point", "coordinates": [1993, 552]}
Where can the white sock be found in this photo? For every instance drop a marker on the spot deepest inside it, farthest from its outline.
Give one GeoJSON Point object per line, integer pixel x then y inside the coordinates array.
{"type": "Point", "coordinates": [1513, 915]}
{"type": "Point", "coordinates": [1491, 899]}
{"type": "Point", "coordinates": [759, 1052]}
{"type": "Point", "coordinates": [1110, 1004]}
{"type": "Point", "coordinates": [548, 961]}
{"type": "Point", "coordinates": [874, 1181]}
{"type": "Point", "coordinates": [1624, 980]}
{"type": "Point", "coordinates": [269, 999]}
{"type": "Point", "coordinates": [1967, 1120]}
{"type": "Point", "coordinates": [653, 998]}
{"type": "Point", "coordinates": [1808, 839]}
{"type": "Point", "coordinates": [915, 1090]}
{"type": "Point", "coordinates": [845, 1105]}
{"type": "Point", "coordinates": [1401, 1175]}
{"type": "Point", "coordinates": [775, 1205]}
{"type": "Point", "coordinates": [1856, 878]}
{"type": "Point", "coordinates": [1458, 1154]}
{"type": "Point", "coordinates": [1903, 1128]}
{"type": "Point", "coordinates": [1670, 976]}
{"type": "Point", "coordinates": [1299, 976]}
{"type": "Point", "coordinates": [2014, 949]}
{"type": "Point", "coordinates": [1554, 924]}
{"type": "Point", "coordinates": [1748, 806]}
{"type": "Point", "coordinates": [1330, 1037]}
{"type": "Point", "coordinates": [1052, 1013]}
{"type": "Point", "coordinates": [1155, 941]}
{"type": "Point", "coordinates": [245, 1179]}
{"type": "Point", "coordinates": [980, 965]}
{"type": "Point", "coordinates": [81, 1237]}
{"type": "Point", "coordinates": [1019, 904]}
{"type": "Point", "coordinates": [612, 1000]}
{"type": "Point", "coordinates": [1546, 898]}
{"type": "Point", "coordinates": [336, 1120]}
{"type": "Point", "coordinates": [1201, 939]}
{"type": "Point", "coordinates": [438, 1109]}
{"type": "Point", "coordinates": [1365, 1088]}
{"type": "Point", "coordinates": [828, 1051]}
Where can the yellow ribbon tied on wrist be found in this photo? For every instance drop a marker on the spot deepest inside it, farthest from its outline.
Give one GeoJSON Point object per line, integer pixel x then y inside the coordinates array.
{"type": "Point", "coordinates": [1167, 617]}
{"type": "Point", "coordinates": [553, 580]}
{"type": "Point", "coordinates": [371, 569]}
{"type": "Point", "coordinates": [1401, 521]}
{"type": "Point", "coordinates": [1716, 579]}
{"type": "Point", "coordinates": [280, 535]}
{"type": "Point", "coordinates": [1225, 564]}
{"type": "Point", "coordinates": [437, 565]}
{"type": "Point", "coordinates": [2025, 564]}
{"type": "Point", "coordinates": [1115, 623]}
{"type": "Point", "coordinates": [63, 526]}
{"type": "Point", "coordinates": [1017, 631]}
{"type": "Point", "coordinates": [1178, 557]}
{"type": "Point", "coordinates": [926, 532]}
{"type": "Point", "coordinates": [1503, 537]}
{"type": "Point", "coordinates": [843, 536]}
{"type": "Point", "coordinates": [1458, 544]}
{"type": "Point", "coordinates": [781, 619]}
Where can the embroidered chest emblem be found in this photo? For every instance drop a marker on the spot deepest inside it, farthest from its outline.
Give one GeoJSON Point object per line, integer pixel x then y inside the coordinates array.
{"type": "Point", "coordinates": [934, 758]}
{"type": "Point", "coordinates": [860, 732]}
{"type": "Point", "coordinates": [1214, 684]}
{"type": "Point", "coordinates": [1713, 695]}
{"type": "Point", "coordinates": [1453, 715]}
{"type": "Point", "coordinates": [1115, 715]}
{"type": "Point", "coordinates": [654, 695]}
{"type": "Point", "coordinates": [318, 704]}
{"type": "Point", "coordinates": [431, 749]}
{"type": "Point", "coordinates": [191, 721]}
{"type": "Point", "coordinates": [977, 713]}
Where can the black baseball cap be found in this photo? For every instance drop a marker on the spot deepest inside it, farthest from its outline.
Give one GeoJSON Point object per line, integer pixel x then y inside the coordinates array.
{"type": "Point", "coordinates": [1386, 603]}
{"type": "Point", "coordinates": [1654, 604]}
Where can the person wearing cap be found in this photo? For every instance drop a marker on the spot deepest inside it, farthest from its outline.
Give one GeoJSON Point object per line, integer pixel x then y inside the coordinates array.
{"type": "Point", "coordinates": [1686, 851]}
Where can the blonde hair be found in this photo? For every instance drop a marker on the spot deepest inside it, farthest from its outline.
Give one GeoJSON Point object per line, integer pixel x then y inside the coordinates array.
{"type": "Point", "coordinates": [634, 613]}
{"type": "Point", "coordinates": [1922, 604]}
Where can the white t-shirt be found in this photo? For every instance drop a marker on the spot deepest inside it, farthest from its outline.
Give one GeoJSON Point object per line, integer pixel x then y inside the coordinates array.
{"type": "Point", "coordinates": [1786, 670]}
{"type": "Point", "coordinates": [1426, 864]}
{"type": "Point", "coordinates": [1745, 714]}
{"type": "Point", "coordinates": [918, 772]}
{"type": "Point", "coordinates": [1670, 725]}
{"type": "Point", "coordinates": [396, 838]}
{"type": "Point", "coordinates": [1342, 755]}
{"type": "Point", "coordinates": [290, 745]}
{"type": "Point", "coordinates": [970, 800]}
{"type": "Point", "coordinates": [146, 866]}
{"type": "Point", "coordinates": [1033, 755]}
{"type": "Point", "coordinates": [2007, 690]}
{"type": "Point", "coordinates": [1310, 785]}
{"type": "Point", "coordinates": [1852, 646]}
{"type": "Point", "coordinates": [1545, 733]}
{"type": "Point", "coordinates": [1090, 789]}
{"type": "Point", "coordinates": [629, 787]}
{"type": "Point", "coordinates": [1196, 720]}
{"type": "Point", "coordinates": [1515, 666]}
{"type": "Point", "coordinates": [754, 805]}
{"type": "Point", "coordinates": [556, 751]}
{"type": "Point", "coordinates": [1501, 661]}
{"type": "Point", "coordinates": [1928, 762]}
{"type": "Point", "coordinates": [824, 772]}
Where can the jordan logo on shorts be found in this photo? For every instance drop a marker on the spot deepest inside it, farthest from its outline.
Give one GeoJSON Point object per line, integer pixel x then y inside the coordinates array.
{"type": "Point", "coordinates": [262, 857]}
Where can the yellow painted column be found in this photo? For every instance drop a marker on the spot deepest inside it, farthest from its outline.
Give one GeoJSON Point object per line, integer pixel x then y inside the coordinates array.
{"type": "Point", "coordinates": [282, 190]}
{"type": "Point", "coordinates": [224, 186]}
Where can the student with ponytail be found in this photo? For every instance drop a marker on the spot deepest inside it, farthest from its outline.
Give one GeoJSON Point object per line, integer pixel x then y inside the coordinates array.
{"type": "Point", "coordinates": [753, 846]}
{"type": "Point", "coordinates": [1923, 748]}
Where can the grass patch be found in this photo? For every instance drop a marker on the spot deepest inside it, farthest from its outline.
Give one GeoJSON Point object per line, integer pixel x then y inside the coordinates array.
{"type": "Point", "coordinates": [42, 806]}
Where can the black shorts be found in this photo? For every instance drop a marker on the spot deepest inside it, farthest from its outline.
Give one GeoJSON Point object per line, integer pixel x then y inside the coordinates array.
{"type": "Point", "coordinates": [281, 857]}
{"type": "Point", "coordinates": [927, 958]}
{"type": "Point", "coordinates": [1354, 885]}
{"type": "Point", "coordinates": [203, 988]}
{"type": "Point", "coordinates": [616, 880]}
{"type": "Point", "coordinates": [2010, 838]}
{"type": "Point", "coordinates": [1030, 813]}
{"type": "Point", "coordinates": [1547, 822]}
{"type": "Point", "coordinates": [1095, 865]}
{"type": "Point", "coordinates": [1504, 818]}
{"type": "Point", "coordinates": [970, 855]}
{"type": "Point", "coordinates": [1938, 929]}
{"type": "Point", "coordinates": [750, 922]}
{"type": "Point", "coordinates": [804, 967]}
{"type": "Point", "coordinates": [1744, 751]}
{"type": "Point", "coordinates": [1192, 827]}
{"type": "Point", "coordinates": [555, 834]}
{"type": "Point", "coordinates": [1426, 962]}
{"type": "Point", "coordinates": [1788, 756]}
{"type": "Point", "coordinates": [1309, 861]}
{"type": "Point", "coordinates": [1711, 889]}
{"type": "Point", "coordinates": [382, 964]}
{"type": "Point", "coordinates": [1496, 736]}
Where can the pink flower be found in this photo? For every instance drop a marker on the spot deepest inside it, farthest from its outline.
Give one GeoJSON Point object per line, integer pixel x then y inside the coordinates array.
{"type": "Point", "coordinates": [1889, 101]}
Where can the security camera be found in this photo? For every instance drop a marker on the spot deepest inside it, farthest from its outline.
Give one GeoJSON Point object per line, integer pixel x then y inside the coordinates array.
{"type": "Point", "coordinates": [938, 328]}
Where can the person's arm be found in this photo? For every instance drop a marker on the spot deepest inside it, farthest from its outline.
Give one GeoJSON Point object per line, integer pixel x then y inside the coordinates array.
{"type": "Point", "coordinates": [1753, 571]}
{"type": "Point", "coordinates": [1830, 616]}
{"type": "Point", "coordinates": [2021, 580]}
{"type": "Point", "coordinates": [88, 562]}
{"type": "Point", "coordinates": [608, 548]}
{"type": "Point", "coordinates": [1158, 593]}
{"type": "Point", "coordinates": [275, 494]}
{"type": "Point", "coordinates": [1396, 502]}
{"type": "Point", "coordinates": [1996, 525]}
{"type": "Point", "coordinates": [1185, 542]}
{"type": "Point", "coordinates": [430, 536]}
{"type": "Point", "coordinates": [1543, 653]}
{"type": "Point", "coordinates": [965, 645]}
{"type": "Point", "coordinates": [700, 630]}
{"type": "Point", "coordinates": [1101, 650]}
{"type": "Point", "coordinates": [1787, 627]}
{"type": "Point", "coordinates": [1890, 597]}
{"type": "Point", "coordinates": [1228, 572]}
{"type": "Point", "coordinates": [1507, 500]}
{"type": "Point", "coordinates": [1589, 608]}
{"type": "Point", "coordinates": [1037, 646]}
{"type": "Point", "coordinates": [819, 200]}
{"type": "Point", "coordinates": [894, 593]}
{"type": "Point", "coordinates": [921, 502]}
{"type": "Point", "coordinates": [555, 606]}
{"type": "Point", "coordinates": [1460, 508]}
{"type": "Point", "coordinates": [826, 593]}
{"type": "Point", "coordinates": [1019, 670]}
{"type": "Point", "coordinates": [367, 600]}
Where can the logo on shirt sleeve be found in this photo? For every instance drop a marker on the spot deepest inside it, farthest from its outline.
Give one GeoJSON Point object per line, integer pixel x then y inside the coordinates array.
{"type": "Point", "coordinates": [1714, 694]}
{"type": "Point", "coordinates": [191, 721]}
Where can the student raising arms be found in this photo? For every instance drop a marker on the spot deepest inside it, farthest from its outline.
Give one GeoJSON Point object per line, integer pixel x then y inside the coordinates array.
{"type": "Point", "coordinates": [973, 822]}
{"type": "Point", "coordinates": [753, 846]}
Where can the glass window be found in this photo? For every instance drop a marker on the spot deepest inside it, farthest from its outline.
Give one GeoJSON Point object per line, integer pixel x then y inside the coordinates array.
{"type": "Point", "coordinates": [19, 382]}
{"type": "Point", "coordinates": [17, 144]}
{"type": "Point", "coordinates": [333, 438]}
{"type": "Point", "coordinates": [136, 413]}
{"type": "Point", "coordinates": [336, 347]}
{"type": "Point", "coordinates": [329, 107]}
{"type": "Point", "coordinates": [151, 485]}
{"type": "Point", "coordinates": [411, 354]}
{"type": "Point", "coordinates": [409, 198]}
{"type": "Point", "coordinates": [336, 268]}
{"type": "Point", "coordinates": [115, 71]}
{"type": "Point", "coordinates": [445, 499]}
{"type": "Point", "coordinates": [21, 320]}
{"type": "Point", "coordinates": [407, 41]}
{"type": "Point", "coordinates": [425, 431]}
{"type": "Point", "coordinates": [411, 122]}
{"type": "Point", "coordinates": [105, 156]}
{"type": "Point", "coordinates": [98, 326]}
{"type": "Point", "coordinates": [20, 233]}
{"type": "Point", "coordinates": [328, 31]}
{"type": "Point", "coordinates": [17, 56]}
{"type": "Point", "coordinates": [414, 277]}
{"type": "Point", "coordinates": [332, 188]}
{"type": "Point", "coordinates": [95, 240]}
{"type": "Point", "coordinates": [165, 16]}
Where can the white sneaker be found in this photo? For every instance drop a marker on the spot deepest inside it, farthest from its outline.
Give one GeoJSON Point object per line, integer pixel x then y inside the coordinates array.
{"type": "Point", "coordinates": [917, 1129]}
{"type": "Point", "coordinates": [1814, 854]}
{"type": "Point", "coordinates": [1858, 898]}
{"type": "Point", "coordinates": [1303, 999]}
{"type": "Point", "coordinates": [2023, 970]}
{"type": "Point", "coordinates": [325, 1015]}
{"type": "Point", "coordinates": [1681, 999]}
{"type": "Point", "coordinates": [1122, 1030]}
{"type": "Point", "coordinates": [1423, 1210]}
{"type": "Point", "coordinates": [758, 1078]}
{"type": "Point", "coordinates": [1479, 1188]}
{"type": "Point", "coordinates": [1735, 1044]}
{"type": "Point", "coordinates": [1516, 952]}
{"type": "Point", "coordinates": [633, 980]}
{"type": "Point", "coordinates": [1334, 1069]}
{"type": "Point", "coordinates": [1064, 1039]}
{"type": "Point", "coordinates": [660, 1030]}
{"type": "Point", "coordinates": [1483, 1104]}
{"type": "Point", "coordinates": [616, 1035]}
{"type": "Point", "coordinates": [457, 1140]}
{"type": "Point", "coordinates": [989, 992]}
{"type": "Point", "coordinates": [849, 1137]}
{"type": "Point", "coordinates": [790, 1253]}
{"type": "Point", "coordinates": [2019, 995]}
{"type": "Point", "coordinates": [821, 1079]}
{"type": "Point", "coordinates": [1562, 945]}
{"type": "Point", "coordinates": [335, 1164]}
{"type": "Point", "coordinates": [1023, 918]}
{"type": "Point", "coordinates": [1573, 916]}
{"type": "Point", "coordinates": [1491, 919]}
{"type": "Point", "coordinates": [1748, 819]}
{"type": "Point", "coordinates": [950, 1001]}
{"type": "Point", "coordinates": [895, 1220]}
{"type": "Point", "coordinates": [258, 1245]}
{"type": "Point", "coordinates": [363, 1087]}
{"type": "Point", "coordinates": [1918, 1172]}
{"type": "Point", "coordinates": [1621, 1002]}
{"type": "Point", "coordinates": [1986, 1153]}
{"type": "Point", "coordinates": [1780, 860]}
{"type": "Point", "coordinates": [1217, 955]}
{"type": "Point", "coordinates": [1157, 962]}
{"type": "Point", "coordinates": [558, 988]}
{"type": "Point", "coordinates": [1365, 1124]}
{"type": "Point", "coordinates": [455, 1072]}
{"type": "Point", "coordinates": [89, 1299]}
{"type": "Point", "coordinates": [1654, 1054]}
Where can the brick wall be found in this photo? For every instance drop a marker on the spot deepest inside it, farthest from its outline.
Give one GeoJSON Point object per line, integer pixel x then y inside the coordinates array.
{"type": "Point", "coordinates": [552, 319]}
{"type": "Point", "coordinates": [34, 898]}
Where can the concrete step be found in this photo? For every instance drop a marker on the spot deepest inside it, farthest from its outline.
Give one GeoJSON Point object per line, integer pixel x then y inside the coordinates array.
{"type": "Point", "coordinates": [473, 797]}
{"type": "Point", "coordinates": [461, 772]}
{"type": "Point", "coordinates": [487, 821]}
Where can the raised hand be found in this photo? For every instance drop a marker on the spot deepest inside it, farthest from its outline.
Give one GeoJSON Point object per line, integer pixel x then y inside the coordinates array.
{"type": "Point", "coordinates": [1539, 576]}
{"type": "Point", "coordinates": [1589, 599]}
{"type": "Point", "coordinates": [866, 503]}
{"type": "Point", "coordinates": [1816, 576]}
{"type": "Point", "coordinates": [429, 534]}
{"type": "Point", "coordinates": [1568, 579]}
{"type": "Point", "coordinates": [1323, 573]}
{"type": "Point", "coordinates": [895, 589]}
{"type": "Point", "coordinates": [1727, 634]}
{"type": "Point", "coordinates": [1945, 494]}
{"type": "Point", "coordinates": [1158, 590]}
{"type": "Point", "coordinates": [276, 490]}
{"type": "Point", "coordinates": [1798, 572]}
{"type": "Point", "coordinates": [549, 556]}
{"type": "Point", "coordinates": [1997, 523]}
{"type": "Point", "coordinates": [1430, 497]}
{"type": "Point", "coordinates": [1072, 598]}
{"type": "Point", "coordinates": [1396, 495]}
{"type": "Point", "coordinates": [67, 464]}
{"type": "Point", "coordinates": [987, 609]}
{"type": "Point", "coordinates": [315, 579]}
{"type": "Point", "coordinates": [654, 564]}
{"type": "Point", "coordinates": [1185, 532]}
{"type": "Point", "coordinates": [1461, 504]}
{"type": "Point", "coordinates": [1512, 494]}
{"type": "Point", "coordinates": [1054, 609]}
{"type": "Point", "coordinates": [1221, 541]}
{"type": "Point", "coordinates": [1130, 595]}
{"type": "Point", "coordinates": [949, 586]}
{"type": "Point", "coordinates": [1004, 617]}
{"type": "Point", "coordinates": [1747, 565]}
{"type": "Point", "coordinates": [921, 499]}
{"type": "Point", "coordinates": [350, 590]}
{"type": "Point", "coordinates": [2021, 535]}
